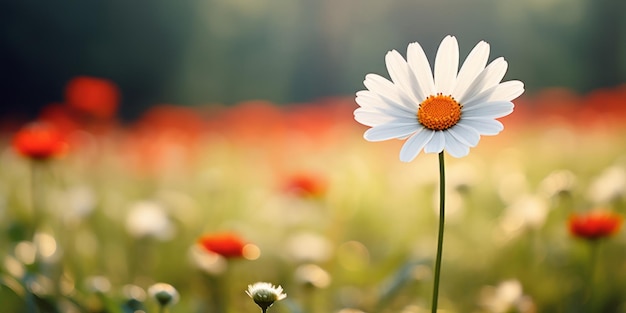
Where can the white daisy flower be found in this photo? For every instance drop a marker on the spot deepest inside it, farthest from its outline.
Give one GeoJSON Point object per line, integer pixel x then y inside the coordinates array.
{"type": "Point", "coordinates": [265, 294]}
{"type": "Point", "coordinates": [449, 111]}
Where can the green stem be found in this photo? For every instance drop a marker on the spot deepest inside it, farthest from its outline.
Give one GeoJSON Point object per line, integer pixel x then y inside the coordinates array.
{"type": "Point", "coordinates": [36, 218]}
{"type": "Point", "coordinates": [29, 298]}
{"type": "Point", "coordinates": [592, 275]}
{"type": "Point", "coordinates": [442, 217]}
{"type": "Point", "coordinates": [36, 194]}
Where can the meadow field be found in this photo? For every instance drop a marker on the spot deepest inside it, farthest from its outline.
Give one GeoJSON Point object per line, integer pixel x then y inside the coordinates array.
{"type": "Point", "coordinates": [211, 199]}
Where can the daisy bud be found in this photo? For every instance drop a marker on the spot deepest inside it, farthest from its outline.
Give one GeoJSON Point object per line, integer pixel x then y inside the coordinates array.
{"type": "Point", "coordinates": [265, 294]}
{"type": "Point", "coordinates": [164, 294]}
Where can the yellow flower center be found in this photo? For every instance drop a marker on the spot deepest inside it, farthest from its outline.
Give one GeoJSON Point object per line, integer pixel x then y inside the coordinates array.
{"type": "Point", "coordinates": [439, 112]}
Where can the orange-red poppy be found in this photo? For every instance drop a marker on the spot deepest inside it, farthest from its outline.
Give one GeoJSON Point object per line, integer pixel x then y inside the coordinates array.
{"type": "Point", "coordinates": [305, 185]}
{"type": "Point", "coordinates": [39, 141]}
{"type": "Point", "coordinates": [226, 244]}
{"type": "Point", "coordinates": [595, 225]}
{"type": "Point", "coordinates": [96, 97]}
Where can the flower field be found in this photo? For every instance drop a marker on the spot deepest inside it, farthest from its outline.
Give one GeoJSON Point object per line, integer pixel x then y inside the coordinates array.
{"type": "Point", "coordinates": [212, 199]}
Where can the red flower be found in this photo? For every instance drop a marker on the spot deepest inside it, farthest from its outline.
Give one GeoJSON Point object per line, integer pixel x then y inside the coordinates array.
{"type": "Point", "coordinates": [39, 141]}
{"type": "Point", "coordinates": [228, 245]}
{"type": "Point", "coordinates": [595, 224]}
{"type": "Point", "coordinates": [305, 185]}
{"type": "Point", "coordinates": [96, 97]}
{"type": "Point", "coordinates": [61, 116]}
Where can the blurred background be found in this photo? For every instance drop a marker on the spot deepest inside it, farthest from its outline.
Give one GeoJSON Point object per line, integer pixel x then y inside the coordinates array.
{"type": "Point", "coordinates": [211, 144]}
{"type": "Point", "coordinates": [198, 52]}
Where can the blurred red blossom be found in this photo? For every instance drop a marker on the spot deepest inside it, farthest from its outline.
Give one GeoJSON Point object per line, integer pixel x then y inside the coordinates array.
{"type": "Point", "coordinates": [166, 117]}
{"type": "Point", "coordinates": [320, 120]}
{"type": "Point", "coordinates": [166, 136]}
{"type": "Point", "coordinates": [249, 121]}
{"type": "Point", "coordinates": [39, 141]}
{"type": "Point", "coordinates": [305, 185]}
{"type": "Point", "coordinates": [61, 116]}
{"type": "Point", "coordinates": [595, 224]}
{"type": "Point", "coordinates": [96, 97]}
{"type": "Point", "coordinates": [226, 244]}
{"type": "Point", "coordinates": [602, 108]}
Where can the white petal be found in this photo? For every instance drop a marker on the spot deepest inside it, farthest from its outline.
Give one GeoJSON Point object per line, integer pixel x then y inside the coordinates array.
{"type": "Point", "coordinates": [480, 98]}
{"type": "Point", "coordinates": [391, 130]}
{"type": "Point", "coordinates": [494, 109]}
{"type": "Point", "coordinates": [396, 66]}
{"type": "Point", "coordinates": [415, 144]}
{"type": "Point", "coordinates": [484, 126]}
{"type": "Point", "coordinates": [416, 58]}
{"type": "Point", "coordinates": [454, 147]}
{"type": "Point", "coordinates": [389, 93]}
{"type": "Point", "coordinates": [473, 65]}
{"type": "Point", "coordinates": [489, 77]}
{"type": "Point", "coordinates": [497, 69]}
{"type": "Point", "coordinates": [508, 91]}
{"type": "Point", "coordinates": [402, 76]}
{"type": "Point", "coordinates": [484, 104]}
{"type": "Point", "coordinates": [436, 144]}
{"type": "Point", "coordinates": [362, 94]}
{"type": "Point", "coordinates": [371, 118]}
{"type": "Point", "coordinates": [381, 86]}
{"type": "Point", "coordinates": [369, 101]}
{"type": "Point", "coordinates": [446, 65]}
{"type": "Point", "coordinates": [366, 116]}
{"type": "Point", "coordinates": [467, 135]}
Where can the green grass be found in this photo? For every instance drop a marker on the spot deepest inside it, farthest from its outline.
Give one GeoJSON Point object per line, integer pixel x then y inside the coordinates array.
{"type": "Point", "coordinates": [378, 217]}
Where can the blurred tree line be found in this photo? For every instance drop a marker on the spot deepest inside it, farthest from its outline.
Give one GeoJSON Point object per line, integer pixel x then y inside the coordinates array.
{"type": "Point", "coordinates": [195, 52]}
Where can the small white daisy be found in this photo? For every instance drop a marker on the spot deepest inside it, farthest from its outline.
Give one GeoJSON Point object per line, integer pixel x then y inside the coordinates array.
{"type": "Point", "coordinates": [448, 111]}
{"type": "Point", "coordinates": [265, 294]}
